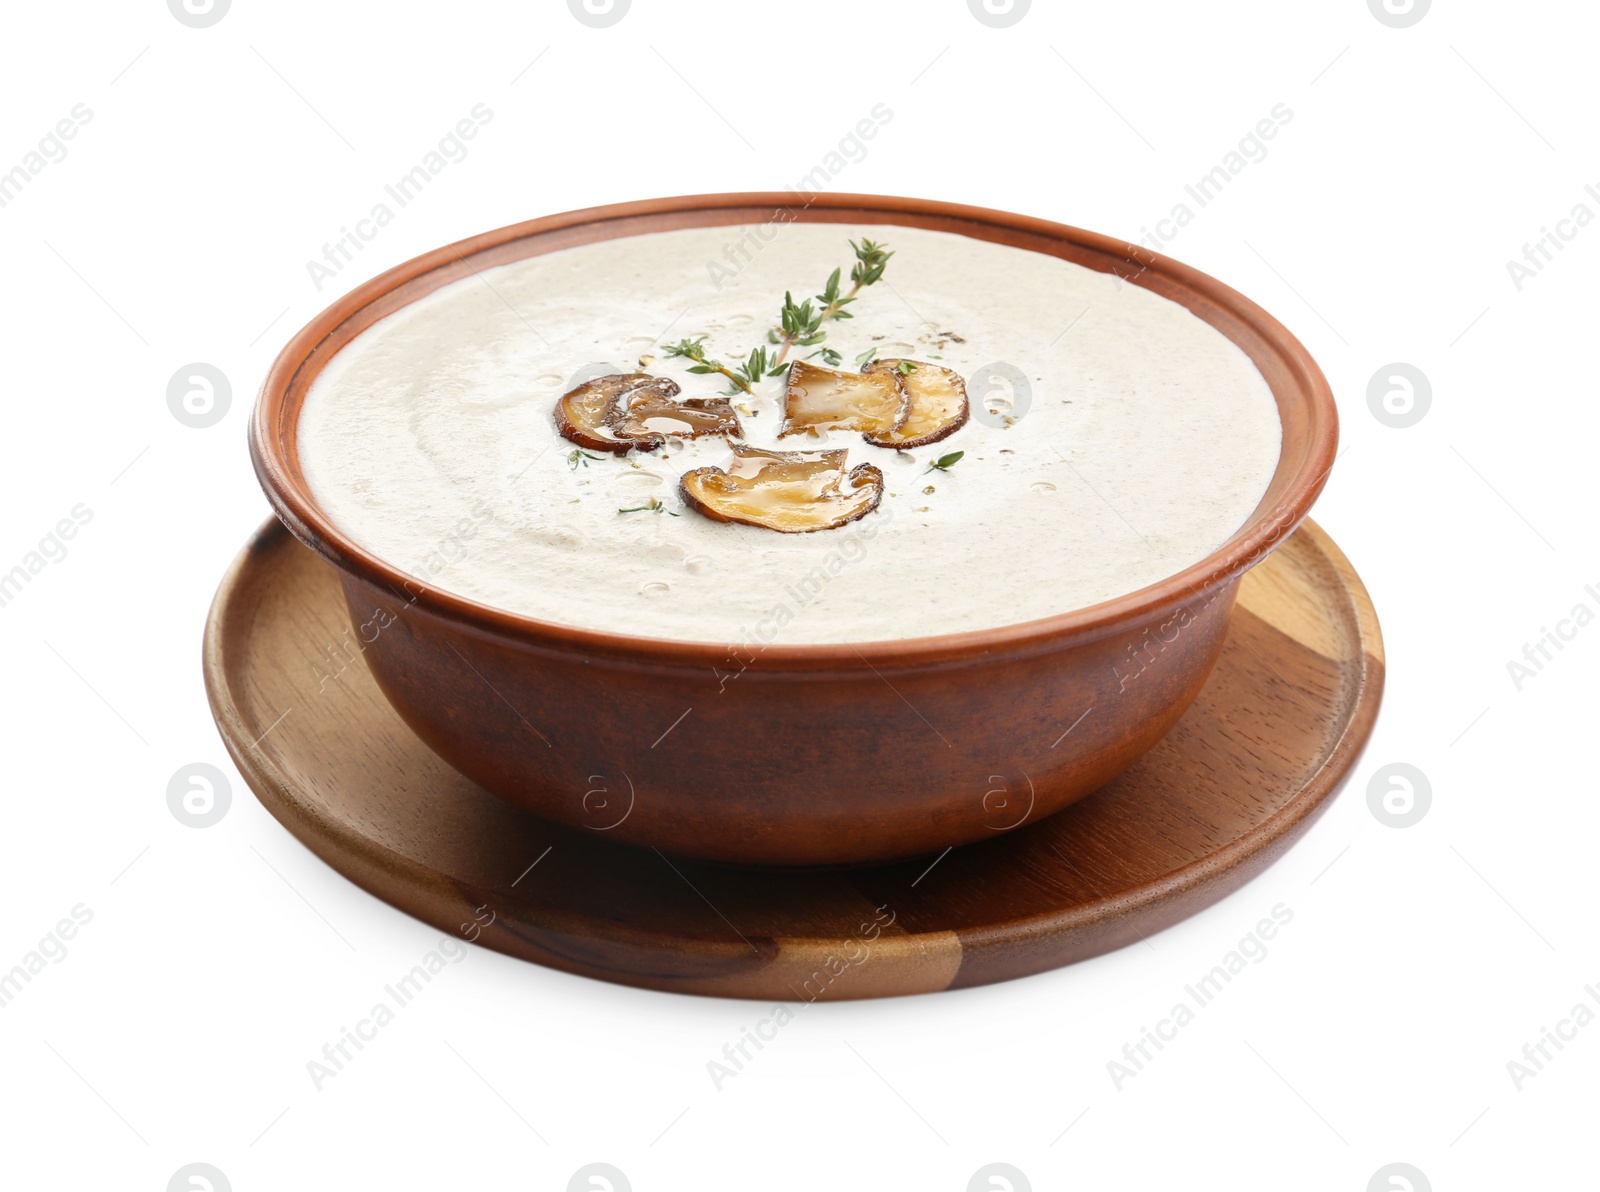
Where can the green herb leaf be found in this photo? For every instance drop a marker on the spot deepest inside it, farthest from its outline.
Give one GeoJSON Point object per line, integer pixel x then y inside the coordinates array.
{"type": "Point", "coordinates": [945, 462]}
{"type": "Point", "coordinates": [830, 292]}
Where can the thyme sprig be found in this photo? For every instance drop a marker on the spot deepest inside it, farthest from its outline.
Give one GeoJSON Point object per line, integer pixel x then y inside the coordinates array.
{"type": "Point", "coordinates": [945, 462]}
{"type": "Point", "coordinates": [579, 458]}
{"type": "Point", "coordinates": [695, 349]}
{"type": "Point", "coordinates": [800, 323]}
{"type": "Point", "coordinates": [654, 506]}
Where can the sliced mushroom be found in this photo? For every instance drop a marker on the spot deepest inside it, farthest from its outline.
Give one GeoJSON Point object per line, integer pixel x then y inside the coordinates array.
{"type": "Point", "coordinates": [821, 399]}
{"type": "Point", "coordinates": [792, 492]}
{"type": "Point", "coordinates": [583, 414]}
{"type": "Point", "coordinates": [650, 416]}
{"type": "Point", "coordinates": [938, 403]}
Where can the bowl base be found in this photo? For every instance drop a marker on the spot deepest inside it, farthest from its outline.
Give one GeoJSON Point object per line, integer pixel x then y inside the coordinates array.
{"type": "Point", "coordinates": [1241, 777]}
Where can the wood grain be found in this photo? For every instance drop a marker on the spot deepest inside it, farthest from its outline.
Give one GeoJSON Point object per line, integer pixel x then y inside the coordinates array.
{"type": "Point", "coordinates": [1256, 757]}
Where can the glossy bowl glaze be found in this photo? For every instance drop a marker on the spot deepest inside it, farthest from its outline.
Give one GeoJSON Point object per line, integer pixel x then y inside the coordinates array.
{"type": "Point", "coordinates": [801, 755]}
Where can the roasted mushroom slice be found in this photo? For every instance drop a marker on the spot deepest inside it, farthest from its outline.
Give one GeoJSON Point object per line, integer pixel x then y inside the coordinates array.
{"type": "Point", "coordinates": [938, 403]}
{"type": "Point", "coordinates": [650, 416]}
{"type": "Point", "coordinates": [793, 492]}
{"type": "Point", "coordinates": [821, 399]}
{"type": "Point", "coordinates": [582, 415]}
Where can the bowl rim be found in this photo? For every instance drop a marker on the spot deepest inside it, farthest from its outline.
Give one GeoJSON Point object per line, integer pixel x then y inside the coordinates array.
{"type": "Point", "coordinates": [274, 424]}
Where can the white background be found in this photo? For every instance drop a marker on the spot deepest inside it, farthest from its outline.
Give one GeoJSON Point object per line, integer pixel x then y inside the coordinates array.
{"type": "Point", "coordinates": [218, 962]}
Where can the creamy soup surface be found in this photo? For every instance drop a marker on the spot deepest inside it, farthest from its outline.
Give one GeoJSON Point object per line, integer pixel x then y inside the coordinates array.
{"type": "Point", "coordinates": [1138, 441]}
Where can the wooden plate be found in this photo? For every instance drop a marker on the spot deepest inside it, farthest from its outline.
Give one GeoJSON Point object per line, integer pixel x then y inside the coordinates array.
{"type": "Point", "coordinates": [1251, 763]}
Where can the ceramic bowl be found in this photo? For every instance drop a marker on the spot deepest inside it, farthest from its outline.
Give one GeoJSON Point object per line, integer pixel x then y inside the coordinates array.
{"type": "Point", "coordinates": [817, 754]}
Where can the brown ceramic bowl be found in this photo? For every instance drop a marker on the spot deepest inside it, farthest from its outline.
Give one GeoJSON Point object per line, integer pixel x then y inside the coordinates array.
{"type": "Point", "coordinates": [815, 754]}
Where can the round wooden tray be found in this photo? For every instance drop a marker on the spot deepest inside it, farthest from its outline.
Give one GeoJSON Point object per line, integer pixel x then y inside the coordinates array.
{"type": "Point", "coordinates": [1251, 763]}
